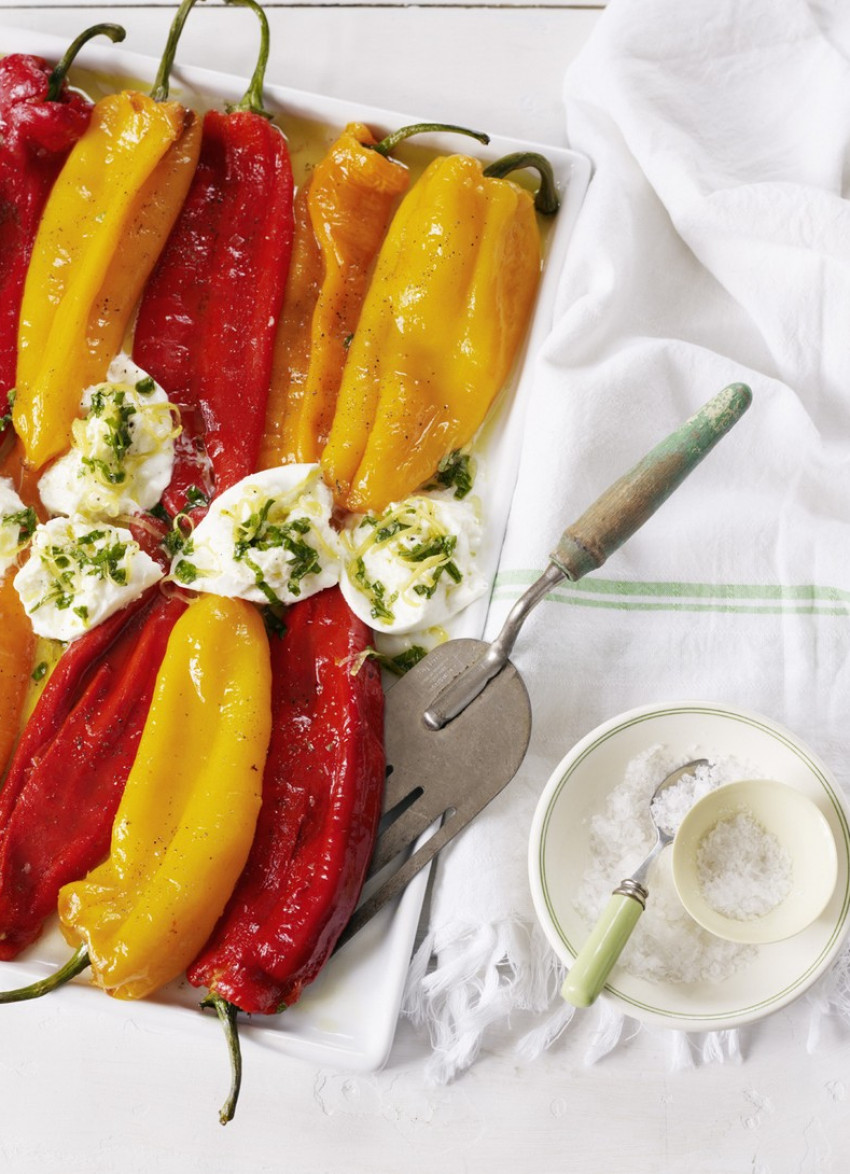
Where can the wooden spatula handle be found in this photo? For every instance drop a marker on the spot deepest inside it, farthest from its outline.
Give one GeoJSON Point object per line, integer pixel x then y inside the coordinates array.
{"type": "Point", "coordinates": [622, 509]}
{"type": "Point", "coordinates": [587, 543]}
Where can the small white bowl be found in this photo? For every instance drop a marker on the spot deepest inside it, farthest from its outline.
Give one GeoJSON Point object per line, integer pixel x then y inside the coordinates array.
{"type": "Point", "coordinates": [799, 827]}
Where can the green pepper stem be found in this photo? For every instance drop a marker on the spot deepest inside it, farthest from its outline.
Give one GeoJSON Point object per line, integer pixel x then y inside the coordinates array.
{"type": "Point", "coordinates": [159, 93]}
{"type": "Point", "coordinates": [57, 78]}
{"type": "Point", "coordinates": [546, 200]}
{"type": "Point", "coordinates": [227, 1017]}
{"type": "Point", "coordinates": [385, 146]}
{"type": "Point", "coordinates": [75, 965]}
{"type": "Point", "coordinates": [252, 99]}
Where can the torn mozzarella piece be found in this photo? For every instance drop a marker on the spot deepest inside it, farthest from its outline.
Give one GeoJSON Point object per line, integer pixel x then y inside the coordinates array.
{"type": "Point", "coordinates": [413, 566]}
{"type": "Point", "coordinates": [79, 573]}
{"type": "Point", "coordinates": [17, 524]}
{"type": "Point", "coordinates": [267, 539]}
{"type": "Point", "coordinates": [122, 452]}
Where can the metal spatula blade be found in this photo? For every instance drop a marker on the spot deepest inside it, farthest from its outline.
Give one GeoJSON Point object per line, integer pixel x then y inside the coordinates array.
{"type": "Point", "coordinates": [457, 726]}
{"type": "Point", "coordinates": [453, 772]}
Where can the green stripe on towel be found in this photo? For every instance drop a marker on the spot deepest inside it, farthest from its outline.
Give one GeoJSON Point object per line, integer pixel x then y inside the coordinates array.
{"type": "Point", "coordinates": [767, 599]}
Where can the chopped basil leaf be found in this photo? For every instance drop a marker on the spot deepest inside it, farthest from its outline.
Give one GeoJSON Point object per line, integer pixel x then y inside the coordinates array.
{"type": "Point", "coordinates": [385, 533]}
{"type": "Point", "coordinates": [441, 546]}
{"type": "Point", "coordinates": [257, 532]}
{"type": "Point", "coordinates": [376, 592]}
{"type": "Point", "coordinates": [185, 572]}
{"type": "Point", "coordinates": [6, 418]}
{"type": "Point", "coordinates": [159, 512]}
{"type": "Point", "coordinates": [260, 582]}
{"type": "Point", "coordinates": [196, 497]}
{"type": "Point", "coordinates": [178, 540]}
{"type": "Point", "coordinates": [274, 621]}
{"type": "Point", "coordinates": [403, 662]}
{"type": "Point", "coordinates": [64, 564]}
{"type": "Point", "coordinates": [110, 405]}
{"type": "Point", "coordinates": [454, 471]}
{"type": "Point", "coordinates": [25, 520]}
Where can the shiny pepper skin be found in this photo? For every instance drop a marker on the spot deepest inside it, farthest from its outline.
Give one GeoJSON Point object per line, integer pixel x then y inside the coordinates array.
{"type": "Point", "coordinates": [341, 217]}
{"type": "Point", "coordinates": [35, 138]}
{"type": "Point", "coordinates": [108, 216]}
{"type": "Point", "coordinates": [322, 794]}
{"type": "Point", "coordinates": [440, 329]}
{"type": "Point", "coordinates": [206, 324]}
{"type": "Point", "coordinates": [17, 645]}
{"type": "Point", "coordinates": [66, 777]}
{"type": "Point", "coordinates": [186, 819]}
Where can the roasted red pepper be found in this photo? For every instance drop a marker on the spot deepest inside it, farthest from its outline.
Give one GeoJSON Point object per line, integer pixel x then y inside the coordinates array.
{"type": "Point", "coordinates": [40, 120]}
{"type": "Point", "coordinates": [322, 792]}
{"type": "Point", "coordinates": [206, 324]}
{"type": "Point", "coordinates": [67, 774]}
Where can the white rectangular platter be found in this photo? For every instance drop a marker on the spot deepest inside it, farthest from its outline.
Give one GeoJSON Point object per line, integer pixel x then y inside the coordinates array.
{"type": "Point", "coordinates": [347, 1018]}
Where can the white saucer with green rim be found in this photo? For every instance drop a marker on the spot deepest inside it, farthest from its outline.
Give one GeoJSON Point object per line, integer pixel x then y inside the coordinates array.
{"type": "Point", "coordinates": [559, 855]}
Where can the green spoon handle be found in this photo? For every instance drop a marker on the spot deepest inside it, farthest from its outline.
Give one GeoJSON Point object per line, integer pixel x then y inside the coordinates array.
{"type": "Point", "coordinates": [599, 953]}
{"type": "Point", "coordinates": [622, 509]}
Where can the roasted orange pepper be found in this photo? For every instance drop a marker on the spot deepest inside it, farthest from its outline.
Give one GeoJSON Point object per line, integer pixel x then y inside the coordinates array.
{"type": "Point", "coordinates": [341, 218]}
{"type": "Point", "coordinates": [108, 215]}
{"type": "Point", "coordinates": [18, 642]}
{"type": "Point", "coordinates": [17, 647]}
{"type": "Point", "coordinates": [293, 341]}
{"type": "Point", "coordinates": [440, 329]}
{"type": "Point", "coordinates": [342, 215]}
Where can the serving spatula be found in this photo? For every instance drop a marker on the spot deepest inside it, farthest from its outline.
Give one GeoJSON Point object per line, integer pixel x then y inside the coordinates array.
{"type": "Point", "coordinates": [457, 726]}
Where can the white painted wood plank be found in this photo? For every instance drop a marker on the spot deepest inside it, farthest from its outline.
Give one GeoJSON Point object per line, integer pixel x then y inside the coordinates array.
{"type": "Point", "coordinates": [170, 5]}
{"type": "Point", "coordinates": [498, 69]}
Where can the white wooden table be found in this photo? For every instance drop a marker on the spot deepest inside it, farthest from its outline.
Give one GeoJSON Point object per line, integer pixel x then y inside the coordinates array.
{"type": "Point", "coordinates": [99, 1089]}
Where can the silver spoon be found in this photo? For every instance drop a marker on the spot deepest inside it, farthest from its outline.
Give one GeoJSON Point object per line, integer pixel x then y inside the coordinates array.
{"type": "Point", "coordinates": [608, 937]}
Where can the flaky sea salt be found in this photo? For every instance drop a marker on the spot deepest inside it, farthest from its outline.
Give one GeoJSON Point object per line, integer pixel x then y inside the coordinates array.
{"type": "Point", "coordinates": [742, 868]}
{"type": "Point", "coordinates": [671, 805]}
{"type": "Point", "coordinates": [666, 945]}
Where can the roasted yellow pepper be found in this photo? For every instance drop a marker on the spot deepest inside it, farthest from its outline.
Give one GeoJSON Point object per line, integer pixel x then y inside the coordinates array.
{"type": "Point", "coordinates": [105, 222]}
{"type": "Point", "coordinates": [187, 816]}
{"type": "Point", "coordinates": [443, 320]}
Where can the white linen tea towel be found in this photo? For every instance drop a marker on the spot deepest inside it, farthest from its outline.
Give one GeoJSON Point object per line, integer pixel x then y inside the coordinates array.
{"type": "Point", "coordinates": [713, 247]}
